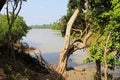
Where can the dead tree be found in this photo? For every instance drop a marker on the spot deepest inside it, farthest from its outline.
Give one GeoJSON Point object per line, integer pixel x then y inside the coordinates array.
{"type": "Point", "coordinates": [41, 60]}
{"type": "Point", "coordinates": [70, 47]}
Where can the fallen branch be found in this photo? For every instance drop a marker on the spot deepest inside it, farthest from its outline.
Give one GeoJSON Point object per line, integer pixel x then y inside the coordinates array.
{"type": "Point", "coordinates": [41, 59]}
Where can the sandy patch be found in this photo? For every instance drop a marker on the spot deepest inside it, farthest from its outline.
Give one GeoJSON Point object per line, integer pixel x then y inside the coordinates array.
{"type": "Point", "coordinates": [80, 73]}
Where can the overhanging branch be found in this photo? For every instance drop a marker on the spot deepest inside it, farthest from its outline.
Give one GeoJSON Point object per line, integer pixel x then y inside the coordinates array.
{"type": "Point", "coordinates": [82, 45]}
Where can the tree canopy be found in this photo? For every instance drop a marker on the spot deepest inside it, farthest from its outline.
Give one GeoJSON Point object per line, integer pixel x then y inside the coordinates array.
{"type": "Point", "coordinates": [19, 28]}
{"type": "Point", "coordinates": [103, 18]}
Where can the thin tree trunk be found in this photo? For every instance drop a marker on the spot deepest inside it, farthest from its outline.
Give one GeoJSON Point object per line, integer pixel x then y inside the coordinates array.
{"type": "Point", "coordinates": [98, 70]}
{"type": "Point", "coordinates": [105, 66]}
{"type": "Point", "coordinates": [9, 35]}
{"type": "Point", "coordinates": [105, 58]}
{"type": "Point", "coordinates": [15, 8]}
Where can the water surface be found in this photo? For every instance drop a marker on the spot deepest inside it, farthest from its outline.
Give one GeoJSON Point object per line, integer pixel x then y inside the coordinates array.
{"type": "Point", "coordinates": [50, 43]}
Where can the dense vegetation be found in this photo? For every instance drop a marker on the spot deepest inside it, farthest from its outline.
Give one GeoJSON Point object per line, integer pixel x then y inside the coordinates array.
{"type": "Point", "coordinates": [19, 28]}
{"type": "Point", "coordinates": [101, 17]}
{"type": "Point", "coordinates": [94, 24]}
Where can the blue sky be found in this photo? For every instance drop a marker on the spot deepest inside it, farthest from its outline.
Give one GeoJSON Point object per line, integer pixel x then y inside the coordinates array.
{"type": "Point", "coordinates": [43, 11]}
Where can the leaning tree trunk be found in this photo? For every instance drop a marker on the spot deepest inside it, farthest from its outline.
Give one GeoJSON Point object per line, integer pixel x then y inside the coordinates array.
{"type": "Point", "coordinates": [64, 54]}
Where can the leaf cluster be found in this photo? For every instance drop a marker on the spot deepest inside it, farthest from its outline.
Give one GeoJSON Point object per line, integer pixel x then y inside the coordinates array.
{"type": "Point", "coordinates": [19, 28]}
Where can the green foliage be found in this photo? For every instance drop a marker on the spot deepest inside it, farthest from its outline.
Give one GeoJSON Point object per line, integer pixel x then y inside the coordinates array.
{"type": "Point", "coordinates": [19, 28]}
{"type": "Point", "coordinates": [111, 23]}
{"type": "Point", "coordinates": [63, 24]}
{"type": "Point", "coordinates": [111, 61]}
{"type": "Point", "coordinates": [55, 25]}
{"type": "Point", "coordinates": [95, 53]}
{"type": "Point", "coordinates": [105, 20]}
{"type": "Point", "coordinates": [74, 34]}
{"type": "Point", "coordinates": [44, 26]}
{"type": "Point", "coordinates": [3, 27]}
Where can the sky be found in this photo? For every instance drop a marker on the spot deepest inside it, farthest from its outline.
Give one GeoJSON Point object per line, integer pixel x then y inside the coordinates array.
{"type": "Point", "coordinates": [38, 12]}
{"type": "Point", "coordinates": [43, 11]}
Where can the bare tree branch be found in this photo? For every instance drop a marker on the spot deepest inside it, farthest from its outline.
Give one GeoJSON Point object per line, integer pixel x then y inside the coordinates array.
{"type": "Point", "coordinates": [86, 29]}
{"type": "Point", "coordinates": [19, 9]}
{"type": "Point", "coordinates": [77, 30]}
{"type": "Point", "coordinates": [83, 44]}
{"type": "Point", "coordinates": [87, 37]}
{"type": "Point", "coordinates": [7, 12]}
{"type": "Point", "coordinates": [15, 9]}
{"type": "Point", "coordinates": [16, 2]}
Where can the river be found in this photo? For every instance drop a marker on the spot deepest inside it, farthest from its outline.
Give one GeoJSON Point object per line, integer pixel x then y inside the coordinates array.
{"type": "Point", "coordinates": [50, 43]}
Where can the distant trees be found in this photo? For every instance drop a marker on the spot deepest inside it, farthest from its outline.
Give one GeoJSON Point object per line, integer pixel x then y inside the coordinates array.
{"type": "Point", "coordinates": [55, 25]}
{"type": "Point", "coordinates": [44, 26]}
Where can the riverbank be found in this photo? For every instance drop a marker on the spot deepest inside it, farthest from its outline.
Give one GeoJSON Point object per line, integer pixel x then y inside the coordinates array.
{"type": "Point", "coordinates": [80, 73]}
{"type": "Point", "coordinates": [50, 45]}
{"type": "Point", "coordinates": [21, 67]}
{"type": "Point", "coordinates": [25, 68]}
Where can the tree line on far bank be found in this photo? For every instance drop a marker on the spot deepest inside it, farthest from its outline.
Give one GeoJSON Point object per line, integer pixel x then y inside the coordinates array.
{"type": "Point", "coordinates": [54, 25]}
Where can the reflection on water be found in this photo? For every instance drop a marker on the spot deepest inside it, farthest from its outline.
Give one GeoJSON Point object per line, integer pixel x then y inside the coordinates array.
{"type": "Point", "coordinates": [50, 45]}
